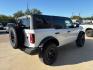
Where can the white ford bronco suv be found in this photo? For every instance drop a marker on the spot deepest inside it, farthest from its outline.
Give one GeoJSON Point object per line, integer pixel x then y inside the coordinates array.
{"type": "Point", "coordinates": [45, 34]}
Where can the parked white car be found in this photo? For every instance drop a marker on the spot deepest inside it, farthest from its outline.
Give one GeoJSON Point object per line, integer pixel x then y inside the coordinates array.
{"type": "Point", "coordinates": [1, 26]}
{"type": "Point", "coordinates": [45, 34]}
{"type": "Point", "coordinates": [8, 26]}
{"type": "Point", "coordinates": [88, 29]}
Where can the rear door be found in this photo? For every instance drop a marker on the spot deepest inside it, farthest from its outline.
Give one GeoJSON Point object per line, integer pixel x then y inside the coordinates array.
{"type": "Point", "coordinates": [60, 30]}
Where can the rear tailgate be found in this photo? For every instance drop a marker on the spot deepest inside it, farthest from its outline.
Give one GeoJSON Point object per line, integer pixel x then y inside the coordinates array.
{"type": "Point", "coordinates": [27, 38]}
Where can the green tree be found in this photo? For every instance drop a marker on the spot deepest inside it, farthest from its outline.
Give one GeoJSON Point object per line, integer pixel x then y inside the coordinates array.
{"type": "Point", "coordinates": [6, 19]}
{"type": "Point", "coordinates": [27, 12]}
{"type": "Point", "coordinates": [91, 17]}
{"type": "Point", "coordinates": [18, 14]}
{"type": "Point", "coordinates": [36, 11]}
{"type": "Point", "coordinates": [75, 17]}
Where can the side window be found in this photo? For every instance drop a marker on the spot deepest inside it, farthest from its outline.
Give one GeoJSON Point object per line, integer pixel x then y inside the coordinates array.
{"type": "Point", "coordinates": [58, 23]}
{"type": "Point", "coordinates": [40, 23]}
{"type": "Point", "coordinates": [26, 22]}
{"type": "Point", "coordinates": [68, 23]}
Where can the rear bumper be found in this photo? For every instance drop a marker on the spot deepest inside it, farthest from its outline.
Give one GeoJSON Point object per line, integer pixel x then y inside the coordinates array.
{"type": "Point", "coordinates": [32, 51]}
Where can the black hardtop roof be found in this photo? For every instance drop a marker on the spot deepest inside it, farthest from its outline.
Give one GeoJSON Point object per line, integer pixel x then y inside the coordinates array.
{"type": "Point", "coordinates": [50, 16]}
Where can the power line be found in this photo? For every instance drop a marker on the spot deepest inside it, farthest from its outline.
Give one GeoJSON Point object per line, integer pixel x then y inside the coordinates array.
{"type": "Point", "coordinates": [27, 5]}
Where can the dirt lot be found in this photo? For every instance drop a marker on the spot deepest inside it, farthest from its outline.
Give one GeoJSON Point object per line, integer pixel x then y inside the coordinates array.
{"type": "Point", "coordinates": [70, 57]}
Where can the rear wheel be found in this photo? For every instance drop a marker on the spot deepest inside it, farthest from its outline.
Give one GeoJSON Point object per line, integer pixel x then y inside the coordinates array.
{"type": "Point", "coordinates": [49, 54]}
{"type": "Point", "coordinates": [89, 33]}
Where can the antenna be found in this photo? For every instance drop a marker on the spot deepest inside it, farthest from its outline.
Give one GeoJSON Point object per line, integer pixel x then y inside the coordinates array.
{"type": "Point", "coordinates": [27, 5]}
{"type": "Point", "coordinates": [27, 9]}
{"type": "Point", "coordinates": [79, 14]}
{"type": "Point", "coordinates": [72, 13]}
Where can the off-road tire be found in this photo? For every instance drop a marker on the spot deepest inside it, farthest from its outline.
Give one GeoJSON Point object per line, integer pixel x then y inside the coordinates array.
{"type": "Point", "coordinates": [13, 37]}
{"type": "Point", "coordinates": [49, 54]}
{"type": "Point", "coordinates": [81, 39]}
{"type": "Point", "coordinates": [16, 37]}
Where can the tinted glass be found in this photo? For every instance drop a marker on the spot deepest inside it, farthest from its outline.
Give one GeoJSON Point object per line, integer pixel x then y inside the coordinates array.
{"type": "Point", "coordinates": [58, 22]}
{"type": "Point", "coordinates": [68, 23]}
{"type": "Point", "coordinates": [25, 22]}
{"type": "Point", "coordinates": [41, 22]}
{"type": "Point", "coordinates": [44, 22]}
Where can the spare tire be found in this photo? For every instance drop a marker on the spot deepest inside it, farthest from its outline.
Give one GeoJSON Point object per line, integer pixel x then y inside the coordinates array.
{"type": "Point", "coordinates": [89, 33]}
{"type": "Point", "coordinates": [16, 37]}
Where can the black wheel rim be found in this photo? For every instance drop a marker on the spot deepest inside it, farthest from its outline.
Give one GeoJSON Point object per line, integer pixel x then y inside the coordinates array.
{"type": "Point", "coordinates": [51, 55]}
{"type": "Point", "coordinates": [83, 40]}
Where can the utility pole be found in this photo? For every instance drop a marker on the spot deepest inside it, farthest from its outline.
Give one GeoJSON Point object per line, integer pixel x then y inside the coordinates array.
{"type": "Point", "coordinates": [79, 14]}
{"type": "Point", "coordinates": [72, 14]}
{"type": "Point", "coordinates": [27, 5]}
{"type": "Point", "coordinates": [27, 8]}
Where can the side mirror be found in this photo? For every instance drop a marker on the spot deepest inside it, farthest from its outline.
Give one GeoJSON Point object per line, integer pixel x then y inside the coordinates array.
{"type": "Point", "coordinates": [76, 24]}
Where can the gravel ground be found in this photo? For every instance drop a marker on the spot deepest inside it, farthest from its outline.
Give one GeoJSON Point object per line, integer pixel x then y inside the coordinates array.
{"type": "Point", "coordinates": [70, 57]}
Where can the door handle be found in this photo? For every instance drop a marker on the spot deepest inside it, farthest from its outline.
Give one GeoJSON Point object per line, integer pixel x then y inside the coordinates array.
{"type": "Point", "coordinates": [57, 33]}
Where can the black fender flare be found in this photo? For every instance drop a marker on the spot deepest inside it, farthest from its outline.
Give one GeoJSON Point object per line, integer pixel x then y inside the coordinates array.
{"type": "Point", "coordinates": [48, 39]}
{"type": "Point", "coordinates": [42, 44]}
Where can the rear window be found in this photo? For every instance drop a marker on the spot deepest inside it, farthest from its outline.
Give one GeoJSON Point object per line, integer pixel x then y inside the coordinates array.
{"type": "Point", "coordinates": [25, 22]}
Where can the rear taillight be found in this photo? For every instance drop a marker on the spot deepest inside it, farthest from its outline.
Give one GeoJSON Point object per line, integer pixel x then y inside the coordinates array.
{"type": "Point", "coordinates": [32, 38]}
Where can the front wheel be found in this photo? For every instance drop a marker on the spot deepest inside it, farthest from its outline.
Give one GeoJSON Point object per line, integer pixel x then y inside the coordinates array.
{"type": "Point", "coordinates": [49, 54]}
{"type": "Point", "coordinates": [80, 40]}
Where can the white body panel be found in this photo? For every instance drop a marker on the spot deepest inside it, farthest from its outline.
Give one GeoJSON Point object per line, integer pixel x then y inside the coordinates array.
{"type": "Point", "coordinates": [65, 36]}
{"type": "Point", "coordinates": [27, 38]}
{"type": "Point", "coordinates": [86, 26]}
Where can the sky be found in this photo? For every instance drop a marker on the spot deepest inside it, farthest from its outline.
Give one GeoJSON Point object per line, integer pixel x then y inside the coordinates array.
{"type": "Point", "coordinates": [49, 7]}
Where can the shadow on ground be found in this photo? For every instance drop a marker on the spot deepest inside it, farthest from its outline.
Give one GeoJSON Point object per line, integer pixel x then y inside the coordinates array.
{"type": "Point", "coordinates": [70, 54]}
